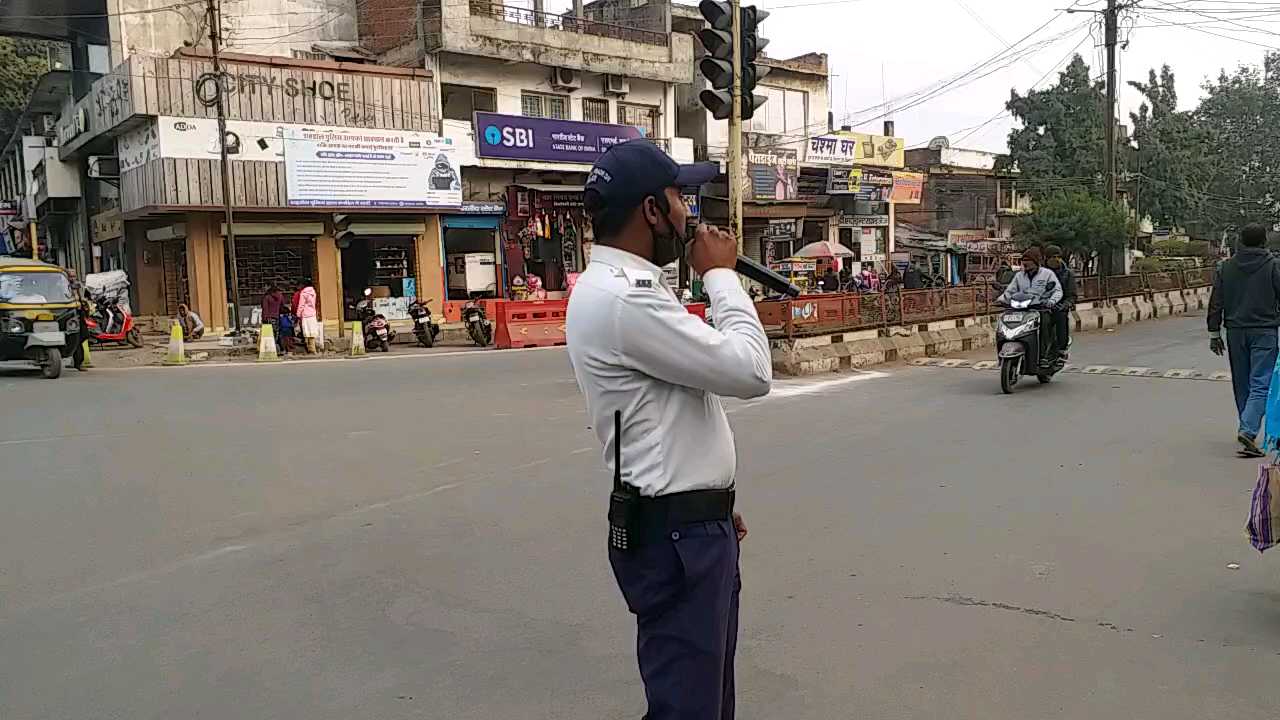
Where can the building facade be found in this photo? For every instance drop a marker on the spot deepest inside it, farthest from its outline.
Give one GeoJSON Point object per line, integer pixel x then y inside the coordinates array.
{"type": "Point", "coordinates": [61, 172]}
{"type": "Point", "coordinates": [531, 99]}
{"type": "Point", "coordinates": [333, 169]}
{"type": "Point", "coordinates": [964, 197]}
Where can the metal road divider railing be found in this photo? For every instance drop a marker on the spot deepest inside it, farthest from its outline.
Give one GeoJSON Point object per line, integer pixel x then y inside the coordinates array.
{"type": "Point", "coordinates": [827, 313]}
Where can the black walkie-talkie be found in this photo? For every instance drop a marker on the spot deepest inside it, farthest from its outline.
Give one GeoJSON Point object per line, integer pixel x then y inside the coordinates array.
{"type": "Point", "coordinates": [624, 502]}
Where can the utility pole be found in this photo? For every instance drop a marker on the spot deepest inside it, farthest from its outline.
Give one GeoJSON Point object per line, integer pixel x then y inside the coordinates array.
{"type": "Point", "coordinates": [1109, 161]}
{"type": "Point", "coordinates": [736, 168]}
{"type": "Point", "coordinates": [215, 45]}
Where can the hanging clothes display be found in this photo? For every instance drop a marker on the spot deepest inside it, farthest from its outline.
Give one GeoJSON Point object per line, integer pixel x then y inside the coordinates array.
{"type": "Point", "coordinates": [569, 245]}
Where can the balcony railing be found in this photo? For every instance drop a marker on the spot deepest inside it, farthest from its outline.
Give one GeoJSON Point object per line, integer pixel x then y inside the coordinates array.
{"type": "Point", "coordinates": [567, 23]}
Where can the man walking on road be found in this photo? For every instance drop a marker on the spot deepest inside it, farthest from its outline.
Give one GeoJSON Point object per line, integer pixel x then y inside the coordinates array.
{"type": "Point", "coordinates": [644, 362]}
{"type": "Point", "coordinates": [1246, 300]}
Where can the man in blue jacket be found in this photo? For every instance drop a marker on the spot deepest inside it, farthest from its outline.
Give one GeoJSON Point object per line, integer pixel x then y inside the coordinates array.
{"type": "Point", "coordinates": [1246, 300]}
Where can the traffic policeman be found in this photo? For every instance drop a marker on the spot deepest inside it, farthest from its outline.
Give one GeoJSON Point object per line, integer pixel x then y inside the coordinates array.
{"type": "Point", "coordinates": [652, 375]}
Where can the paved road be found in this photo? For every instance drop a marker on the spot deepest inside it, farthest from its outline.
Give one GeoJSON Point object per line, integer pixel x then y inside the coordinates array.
{"type": "Point", "coordinates": [424, 538]}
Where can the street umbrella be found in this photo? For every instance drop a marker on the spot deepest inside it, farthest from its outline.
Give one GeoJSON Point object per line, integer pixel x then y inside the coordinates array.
{"type": "Point", "coordinates": [823, 249]}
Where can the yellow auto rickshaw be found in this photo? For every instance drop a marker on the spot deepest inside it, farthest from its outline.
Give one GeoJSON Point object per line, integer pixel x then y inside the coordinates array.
{"type": "Point", "coordinates": [39, 315]}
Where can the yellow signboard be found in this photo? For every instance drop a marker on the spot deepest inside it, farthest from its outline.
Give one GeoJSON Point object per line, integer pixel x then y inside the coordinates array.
{"type": "Point", "coordinates": [851, 148]}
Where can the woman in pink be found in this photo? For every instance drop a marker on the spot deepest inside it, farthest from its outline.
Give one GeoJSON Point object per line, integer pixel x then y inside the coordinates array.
{"type": "Point", "coordinates": [312, 330]}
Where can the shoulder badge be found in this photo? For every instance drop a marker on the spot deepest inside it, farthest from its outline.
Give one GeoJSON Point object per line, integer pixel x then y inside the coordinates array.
{"type": "Point", "coordinates": [640, 279]}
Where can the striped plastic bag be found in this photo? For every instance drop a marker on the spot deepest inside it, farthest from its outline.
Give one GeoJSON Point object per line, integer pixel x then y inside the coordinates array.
{"type": "Point", "coordinates": [1264, 511]}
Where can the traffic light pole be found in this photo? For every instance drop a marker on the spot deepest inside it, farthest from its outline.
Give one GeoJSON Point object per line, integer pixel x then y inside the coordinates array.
{"type": "Point", "coordinates": [736, 169]}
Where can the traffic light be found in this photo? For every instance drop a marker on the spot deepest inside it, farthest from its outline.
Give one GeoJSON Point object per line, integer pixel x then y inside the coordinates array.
{"type": "Point", "coordinates": [717, 65]}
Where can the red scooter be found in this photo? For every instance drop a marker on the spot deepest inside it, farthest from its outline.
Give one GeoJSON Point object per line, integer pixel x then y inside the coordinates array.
{"type": "Point", "coordinates": [120, 331]}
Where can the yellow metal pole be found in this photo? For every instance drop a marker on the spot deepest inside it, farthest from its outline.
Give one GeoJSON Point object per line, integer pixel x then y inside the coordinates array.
{"type": "Point", "coordinates": [736, 169]}
{"type": "Point", "coordinates": [35, 241]}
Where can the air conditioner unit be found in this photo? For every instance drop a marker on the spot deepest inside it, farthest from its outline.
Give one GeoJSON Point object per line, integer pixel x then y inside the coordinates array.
{"type": "Point", "coordinates": [565, 79]}
{"type": "Point", "coordinates": [616, 85]}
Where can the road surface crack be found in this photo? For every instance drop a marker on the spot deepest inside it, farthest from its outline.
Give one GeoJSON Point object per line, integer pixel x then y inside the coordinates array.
{"type": "Point", "coordinates": [965, 601]}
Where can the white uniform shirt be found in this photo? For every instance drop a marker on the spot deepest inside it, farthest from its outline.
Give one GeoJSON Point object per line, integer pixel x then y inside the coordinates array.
{"type": "Point", "coordinates": [635, 348]}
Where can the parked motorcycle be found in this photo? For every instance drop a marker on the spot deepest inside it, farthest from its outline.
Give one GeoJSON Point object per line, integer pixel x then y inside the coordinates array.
{"type": "Point", "coordinates": [111, 324]}
{"type": "Point", "coordinates": [378, 334]}
{"type": "Point", "coordinates": [479, 327]}
{"type": "Point", "coordinates": [425, 328]}
{"type": "Point", "coordinates": [1021, 348]}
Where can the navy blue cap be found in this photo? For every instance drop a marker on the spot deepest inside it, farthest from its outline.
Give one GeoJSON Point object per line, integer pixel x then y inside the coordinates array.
{"type": "Point", "coordinates": [631, 171]}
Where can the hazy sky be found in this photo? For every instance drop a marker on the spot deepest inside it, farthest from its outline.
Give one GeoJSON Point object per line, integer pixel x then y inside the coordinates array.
{"type": "Point", "coordinates": [918, 43]}
{"type": "Point", "coordinates": [893, 48]}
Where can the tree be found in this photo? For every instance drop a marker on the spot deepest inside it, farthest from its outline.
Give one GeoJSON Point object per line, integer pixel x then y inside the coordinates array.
{"type": "Point", "coordinates": [1241, 155]}
{"type": "Point", "coordinates": [1081, 223]}
{"type": "Point", "coordinates": [1170, 173]}
{"type": "Point", "coordinates": [22, 62]}
{"type": "Point", "coordinates": [1060, 142]}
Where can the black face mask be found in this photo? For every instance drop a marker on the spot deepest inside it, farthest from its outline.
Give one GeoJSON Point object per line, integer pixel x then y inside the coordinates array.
{"type": "Point", "coordinates": [668, 244]}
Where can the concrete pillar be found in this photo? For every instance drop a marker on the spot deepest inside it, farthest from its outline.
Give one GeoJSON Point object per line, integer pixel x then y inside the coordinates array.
{"type": "Point", "coordinates": [577, 12]}
{"type": "Point", "coordinates": [538, 10]}
{"type": "Point", "coordinates": [207, 270]}
{"type": "Point", "coordinates": [328, 279]}
{"type": "Point", "coordinates": [144, 262]}
{"type": "Point", "coordinates": [430, 272]}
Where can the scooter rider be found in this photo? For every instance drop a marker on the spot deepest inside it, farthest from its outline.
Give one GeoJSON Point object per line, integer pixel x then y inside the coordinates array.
{"type": "Point", "coordinates": [1067, 281]}
{"type": "Point", "coordinates": [1034, 281]}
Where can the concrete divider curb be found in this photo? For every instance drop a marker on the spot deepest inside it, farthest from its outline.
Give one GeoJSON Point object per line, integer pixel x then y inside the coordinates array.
{"type": "Point", "coordinates": [1162, 303]}
{"type": "Point", "coordinates": [1087, 318]}
{"type": "Point", "coordinates": [1126, 309]}
{"type": "Point", "coordinates": [857, 350]}
{"type": "Point", "coordinates": [1109, 317]}
{"type": "Point", "coordinates": [864, 348]}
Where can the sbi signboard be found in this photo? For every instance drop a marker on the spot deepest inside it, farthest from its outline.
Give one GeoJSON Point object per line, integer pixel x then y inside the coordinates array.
{"type": "Point", "coordinates": [516, 137]}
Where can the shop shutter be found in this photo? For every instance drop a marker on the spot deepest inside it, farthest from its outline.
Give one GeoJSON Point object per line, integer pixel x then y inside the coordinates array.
{"type": "Point", "coordinates": [752, 231]}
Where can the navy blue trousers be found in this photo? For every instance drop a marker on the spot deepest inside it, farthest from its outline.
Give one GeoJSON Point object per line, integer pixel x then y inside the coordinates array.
{"type": "Point", "coordinates": [683, 589]}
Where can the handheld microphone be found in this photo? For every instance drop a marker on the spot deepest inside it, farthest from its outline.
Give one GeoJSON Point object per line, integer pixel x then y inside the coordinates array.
{"type": "Point", "coordinates": [766, 277]}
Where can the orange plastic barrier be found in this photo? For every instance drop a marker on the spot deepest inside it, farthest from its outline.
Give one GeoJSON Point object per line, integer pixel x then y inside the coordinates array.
{"type": "Point", "coordinates": [529, 323]}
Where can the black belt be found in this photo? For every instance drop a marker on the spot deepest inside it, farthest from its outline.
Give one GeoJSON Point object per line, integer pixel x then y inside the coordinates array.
{"type": "Point", "coordinates": [658, 516]}
{"type": "Point", "coordinates": [635, 520]}
{"type": "Point", "coordinates": [687, 507]}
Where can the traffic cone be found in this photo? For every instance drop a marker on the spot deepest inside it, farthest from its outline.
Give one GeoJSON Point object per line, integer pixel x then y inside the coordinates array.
{"type": "Point", "coordinates": [357, 339]}
{"type": "Point", "coordinates": [177, 348]}
{"type": "Point", "coordinates": [88, 363]}
{"type": "Point", "coordinates": [267, 345]}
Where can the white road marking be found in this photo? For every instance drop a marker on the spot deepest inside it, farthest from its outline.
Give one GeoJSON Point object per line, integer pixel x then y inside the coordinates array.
{"type": "Point", "coordinates": [579, 451]}
{"type": "Point", "coordinates": [327, 360]}
{"type": "Point", "coordinates": [215, 553]}
{"type": "Point", "coordinates": [792, 388]}
{"type": "Point", "coordinates": [534, 463]}
{"type": "Point", "coordinates": [447, 463]}
{"type": "Point", "coordinates": [132, 578]}
{"type": "Point", "coordinates": [400, 500]}
{"type": "Point", "coordinates": [59, 438]}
